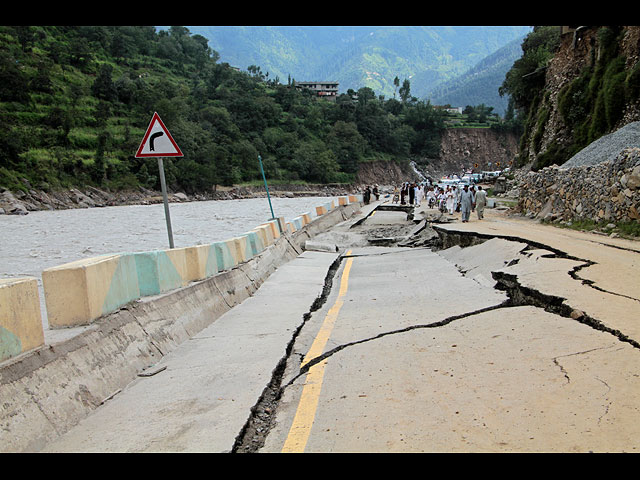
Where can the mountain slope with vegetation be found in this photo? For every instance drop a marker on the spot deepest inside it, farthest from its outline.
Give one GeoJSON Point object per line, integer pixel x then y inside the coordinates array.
{"type": "Point", "coordinates": [479, 85]}
{"type": "Point", "coordinates": [76, 101]}
{"type": "Point", "coordinates": [572, 89]}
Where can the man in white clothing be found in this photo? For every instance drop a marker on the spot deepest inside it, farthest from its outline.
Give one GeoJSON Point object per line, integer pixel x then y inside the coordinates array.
{"type": "Point", "coordinates": [481, 201]}
{"type": "Point", "coordinates": [466, 200]}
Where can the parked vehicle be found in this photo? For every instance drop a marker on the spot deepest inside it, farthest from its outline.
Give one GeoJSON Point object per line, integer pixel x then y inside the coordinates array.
{"type": "Point", "coordinates": [448, 182]}
{"type": "Point", "coordinates": [490, 175]}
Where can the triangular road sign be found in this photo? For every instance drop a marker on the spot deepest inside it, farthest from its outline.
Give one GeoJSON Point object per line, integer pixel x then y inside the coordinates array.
{"type": "Point", "coordinates": [158, 142]}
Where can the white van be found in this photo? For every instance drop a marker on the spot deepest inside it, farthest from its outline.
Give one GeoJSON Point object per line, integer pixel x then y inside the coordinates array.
{"type": "Point", "coordinates": [448, 182]}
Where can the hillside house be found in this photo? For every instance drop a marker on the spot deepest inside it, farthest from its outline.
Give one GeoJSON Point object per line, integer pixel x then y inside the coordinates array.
{"type": "Point", "coordinates": [327, 90]}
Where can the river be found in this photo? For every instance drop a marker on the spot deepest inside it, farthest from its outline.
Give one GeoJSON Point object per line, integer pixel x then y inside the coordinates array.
{"type": "Point", "coordinates": [43, 239]}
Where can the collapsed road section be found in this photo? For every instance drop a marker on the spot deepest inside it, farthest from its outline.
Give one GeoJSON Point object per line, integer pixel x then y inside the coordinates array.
{"type": "Point", "coordinates": [455, 350]}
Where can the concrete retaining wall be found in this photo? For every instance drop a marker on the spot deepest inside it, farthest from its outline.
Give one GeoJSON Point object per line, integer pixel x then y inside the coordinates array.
{"type": "Point", "coordinates": [47, 390]}
{"type": "Point", "coordinates": [606, 192]}
{"type": "Point", "coordinates": [20, 317]}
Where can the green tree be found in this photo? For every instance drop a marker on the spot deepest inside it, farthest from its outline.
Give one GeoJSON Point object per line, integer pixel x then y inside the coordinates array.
{"type": "Point", "coordinates": [98, 173]}
{"type": "Point", "coordinates": [525, 79]}
{"type": "Point", "coordinates": [405, 91]}
{"type": "Point", "coordinates": [13, 82]}
{"type": "Point", "coordinates": [317, 163]}
{"type": "Point", "coordinates": [103, 87]}
{"type": "Point", "coordinates": [365, 95]}
{"type": "Point", "coordinates": [347, 145]}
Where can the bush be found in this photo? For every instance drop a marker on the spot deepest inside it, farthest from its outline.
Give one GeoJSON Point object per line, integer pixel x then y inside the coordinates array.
{"type": "Point", "coordinates": [632, 83]}
{"type": "Point", "coordinates": [614, 91]}
{"type": "Point", "coordinates": [554, 155]}
{"type": "Point", "coordinates": [83, 138]}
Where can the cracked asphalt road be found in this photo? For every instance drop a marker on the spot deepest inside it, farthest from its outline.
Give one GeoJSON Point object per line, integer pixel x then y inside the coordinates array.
{"type": "Point", "coordinates": [413, 367]}
{"type": "Point", "coordinates": [412, 350]}
{"type": "Point", "coordinates": [427, 355]}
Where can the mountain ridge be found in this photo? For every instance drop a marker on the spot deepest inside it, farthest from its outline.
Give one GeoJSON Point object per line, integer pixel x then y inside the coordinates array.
{"type": "Point", "coordinates": [360, 56]}
{"type": "Point", "coordinates": [479, 84]}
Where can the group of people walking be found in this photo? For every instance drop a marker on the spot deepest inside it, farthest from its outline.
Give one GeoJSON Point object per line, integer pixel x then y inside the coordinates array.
{"type": "Point", "coordinates": [464, 200]}
{"type": "Point", "coordinates": [448, 199]}
{"type": "Point", "coordinates": [410, 193]}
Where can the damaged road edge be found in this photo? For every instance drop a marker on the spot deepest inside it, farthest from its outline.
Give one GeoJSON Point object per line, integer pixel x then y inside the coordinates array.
{"type": "Point", "coordinates": [520, 295]}
{"type": "Point", "coordinates": [252, 436]}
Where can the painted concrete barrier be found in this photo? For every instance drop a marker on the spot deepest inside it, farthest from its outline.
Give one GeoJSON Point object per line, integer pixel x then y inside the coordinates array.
{"type": "Point", "coordinates": [274, 225]}
{"type": "Point", "coordinates": [256, 244]}
{"type": "Point", "coordinates": [159, 271]}
{"type": "Point", "coordinates": [78, 292]}
{"type": "Point", "coordinates": [47, 392]}
{"type": "Point", "coordinates": [20, 319]}
{"type": "Point", "coordinates": [342, 202]}
{"type": "Point", "coordinates": [298, 222]}
{"type": "Point", "coordinates": [323, 209]}
{"type": "Point", "coordinates": [265, 235]}
{"type": "Point", "coordinates": [197, 260]}
{"type": "Point", "coordinates": [241, 248]}
{"type": "Point", "coordinates": [224, 256]}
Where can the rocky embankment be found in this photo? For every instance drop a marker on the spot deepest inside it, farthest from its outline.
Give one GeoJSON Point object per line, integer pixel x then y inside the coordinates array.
{"type": "Point", "coordinates": [604, 192]}
{"type": "Point", "coordinates": [21, 202]}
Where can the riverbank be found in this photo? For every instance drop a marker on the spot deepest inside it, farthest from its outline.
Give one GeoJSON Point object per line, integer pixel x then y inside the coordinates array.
{"type": "Point", "coordinates": [21, 203]}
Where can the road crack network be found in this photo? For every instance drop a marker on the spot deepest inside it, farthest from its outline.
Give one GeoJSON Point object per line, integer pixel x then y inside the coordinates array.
{"type": "Point", "coordinates": [253, 435]}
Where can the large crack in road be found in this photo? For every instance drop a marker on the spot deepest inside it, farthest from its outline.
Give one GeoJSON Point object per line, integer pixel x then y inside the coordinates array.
{"type": "Point", "coordinates": [253, 435]}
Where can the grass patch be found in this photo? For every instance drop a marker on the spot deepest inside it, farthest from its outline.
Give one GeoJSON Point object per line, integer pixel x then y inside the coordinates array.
{"type": "Point", "coordinates": [630, 230]}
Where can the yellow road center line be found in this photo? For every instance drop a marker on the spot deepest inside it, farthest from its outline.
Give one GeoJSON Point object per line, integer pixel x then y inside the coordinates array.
{"type": "Point", "coordinates": [301, 428]}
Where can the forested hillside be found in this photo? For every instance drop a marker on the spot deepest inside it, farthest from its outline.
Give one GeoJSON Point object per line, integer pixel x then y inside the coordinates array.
{"type": "Point", "coordinates": [75, 103]}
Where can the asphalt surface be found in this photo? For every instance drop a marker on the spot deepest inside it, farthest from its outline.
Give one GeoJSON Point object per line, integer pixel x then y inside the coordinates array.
{"type": "Point", "coordinates": [527, 342]}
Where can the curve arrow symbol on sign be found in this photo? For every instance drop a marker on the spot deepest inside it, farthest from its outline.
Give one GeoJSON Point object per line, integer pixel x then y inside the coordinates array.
{"type": "Point", "coordinates": [152, 138]}
{"type": "Point", "coordinates": [157, 141]}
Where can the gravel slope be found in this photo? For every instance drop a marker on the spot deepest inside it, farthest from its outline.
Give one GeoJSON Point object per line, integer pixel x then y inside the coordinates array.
{"type": "Point", "coordinates": [608, 147]}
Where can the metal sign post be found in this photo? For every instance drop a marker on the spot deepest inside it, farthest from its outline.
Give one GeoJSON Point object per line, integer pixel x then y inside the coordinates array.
{"type": "Point", "coordinates": [167, 216]}
{"type": "Point", "coordinates": [273, 217]}
{"type": "Point", "coordinates": [158, 142]}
